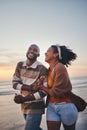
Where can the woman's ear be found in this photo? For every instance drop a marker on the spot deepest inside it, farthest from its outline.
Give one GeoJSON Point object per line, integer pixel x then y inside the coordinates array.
{"type": "Point", "coordinates": [56, 55]}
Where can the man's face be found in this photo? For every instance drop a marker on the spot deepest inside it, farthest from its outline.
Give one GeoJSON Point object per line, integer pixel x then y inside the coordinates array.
{"type": "Point", "coordinates": [32, 53]}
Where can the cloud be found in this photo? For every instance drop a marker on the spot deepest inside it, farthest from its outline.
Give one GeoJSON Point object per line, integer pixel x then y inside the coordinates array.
{"type": "Point", "coordinates": [9, 57]}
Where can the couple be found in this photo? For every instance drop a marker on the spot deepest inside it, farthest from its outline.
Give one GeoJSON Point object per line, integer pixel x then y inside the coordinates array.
{"type": "Point", "coordinates": [35, 82]}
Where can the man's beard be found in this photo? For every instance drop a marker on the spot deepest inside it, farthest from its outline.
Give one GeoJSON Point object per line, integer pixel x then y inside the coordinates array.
{"type": "Point", "coordinates": [31, 59]}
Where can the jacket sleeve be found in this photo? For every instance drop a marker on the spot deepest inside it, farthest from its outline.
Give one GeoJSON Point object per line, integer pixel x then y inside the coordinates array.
{"type": "Point", "coordinates": [40, 93]}
{"type": "Point", "coordinates": [61, 83]}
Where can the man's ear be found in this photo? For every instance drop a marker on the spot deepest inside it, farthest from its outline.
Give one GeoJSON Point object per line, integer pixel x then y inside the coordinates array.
{"type": "Point", "coordinates": [26, 54]}
{"type": "Point", "coordinates": [38, 55]}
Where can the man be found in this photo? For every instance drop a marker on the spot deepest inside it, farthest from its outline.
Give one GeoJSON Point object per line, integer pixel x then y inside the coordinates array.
{"type": "Point", "coordinates": [26, 75]}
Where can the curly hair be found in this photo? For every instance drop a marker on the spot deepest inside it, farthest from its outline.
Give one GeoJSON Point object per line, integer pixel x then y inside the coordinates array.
{"type": "Point", "coordinates": [67, 54]}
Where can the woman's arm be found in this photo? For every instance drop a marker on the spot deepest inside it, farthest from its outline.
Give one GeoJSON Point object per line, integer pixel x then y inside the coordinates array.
{"type": "Point", "coordinates": [45, 89]}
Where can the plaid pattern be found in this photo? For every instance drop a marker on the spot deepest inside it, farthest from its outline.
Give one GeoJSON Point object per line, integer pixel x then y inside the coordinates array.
{"type": "Point", "coordinates": [29, 75]}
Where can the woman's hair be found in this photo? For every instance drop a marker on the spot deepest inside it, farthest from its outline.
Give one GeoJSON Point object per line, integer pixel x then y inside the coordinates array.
{"type": "Point", "coordinates": [67, 55]}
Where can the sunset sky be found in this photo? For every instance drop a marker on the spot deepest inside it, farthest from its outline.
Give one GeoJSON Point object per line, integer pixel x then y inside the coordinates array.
{"type": "Point", "coordinates": [42, 22]}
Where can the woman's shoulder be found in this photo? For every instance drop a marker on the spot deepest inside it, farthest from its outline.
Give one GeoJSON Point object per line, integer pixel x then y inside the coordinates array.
{"type": "Point", "coordinates": [60, 67]}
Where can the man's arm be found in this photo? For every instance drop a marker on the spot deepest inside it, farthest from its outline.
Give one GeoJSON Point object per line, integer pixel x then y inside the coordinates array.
{"type": "Point", "coordinates": [38, 94]}
{"type": "Point", "coordinates": [17, 82]}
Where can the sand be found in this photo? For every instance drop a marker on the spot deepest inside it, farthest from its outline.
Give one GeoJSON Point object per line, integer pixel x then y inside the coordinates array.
{"type": "Point", "coordinates": [11, 117]}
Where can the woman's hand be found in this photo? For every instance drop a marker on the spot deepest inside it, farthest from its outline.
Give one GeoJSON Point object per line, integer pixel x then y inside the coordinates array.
{"type": "Point", "coordinates": [38, 84]}
{"type": "Point", "coordinates": [45, 89]}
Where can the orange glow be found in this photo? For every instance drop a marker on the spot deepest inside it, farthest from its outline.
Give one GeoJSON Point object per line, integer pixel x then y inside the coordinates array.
{"type": "Point", "coordinates": [6, 73]}
{"type": "Point", "coordinates": [77, 71]}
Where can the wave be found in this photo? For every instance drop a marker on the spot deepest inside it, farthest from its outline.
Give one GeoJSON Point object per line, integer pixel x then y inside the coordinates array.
{"type": "Point", "coordinates": [77, 82]}
{"type": "Point", "coordinates": [5, 83]}
{"type": "Point", "coordinates": [7, 93]}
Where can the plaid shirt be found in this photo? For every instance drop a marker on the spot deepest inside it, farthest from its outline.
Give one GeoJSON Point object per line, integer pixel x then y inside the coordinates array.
{"type": "Point", "coordinates": [29, 75]}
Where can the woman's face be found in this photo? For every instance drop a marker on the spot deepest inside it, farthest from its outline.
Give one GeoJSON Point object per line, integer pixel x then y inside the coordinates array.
{"type": "Point", "coordinates": [49, 55]}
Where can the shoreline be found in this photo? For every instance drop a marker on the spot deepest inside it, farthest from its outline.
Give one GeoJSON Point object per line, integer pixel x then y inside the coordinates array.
{"type": "Point", "coordinates": [12, 118]}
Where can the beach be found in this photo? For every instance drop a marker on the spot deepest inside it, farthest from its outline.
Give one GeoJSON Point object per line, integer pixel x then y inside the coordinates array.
{"type": "Point", "coordinates": [11, 115]}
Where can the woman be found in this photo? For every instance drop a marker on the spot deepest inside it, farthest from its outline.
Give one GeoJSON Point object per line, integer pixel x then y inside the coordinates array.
{"type": "Point", "coordinates": [60, 109]}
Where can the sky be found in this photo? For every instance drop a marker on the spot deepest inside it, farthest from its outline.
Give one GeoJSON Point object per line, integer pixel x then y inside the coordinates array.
{"type": "Point", "coordinates": [42, 22]}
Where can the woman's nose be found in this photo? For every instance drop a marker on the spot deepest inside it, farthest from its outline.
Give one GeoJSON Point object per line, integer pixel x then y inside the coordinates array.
{"type": "Point", "coordinates": [45, 53]}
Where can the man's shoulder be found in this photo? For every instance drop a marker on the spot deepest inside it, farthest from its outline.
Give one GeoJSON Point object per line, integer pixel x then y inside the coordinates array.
{"type": "Point", "coordinates": [40, 64]}
{"type": "Point", "coordinates": [20, 63]}
{"type": "Point", "coordinates": [42, 67]}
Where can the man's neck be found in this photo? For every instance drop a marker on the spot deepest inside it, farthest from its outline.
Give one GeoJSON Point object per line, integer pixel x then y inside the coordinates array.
{"type": "Point", "coordinates": [29, 63]}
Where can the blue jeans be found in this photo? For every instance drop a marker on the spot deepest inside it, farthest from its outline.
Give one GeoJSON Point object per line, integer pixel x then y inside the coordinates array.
{"type": "Point", "coordinates": [33, 121]}
{"type": "Point", "coordinates": [62, 112]}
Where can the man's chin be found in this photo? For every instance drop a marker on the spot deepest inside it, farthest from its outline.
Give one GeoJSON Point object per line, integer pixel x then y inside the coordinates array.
{"type": "Point", "coordinates": [32, 59]}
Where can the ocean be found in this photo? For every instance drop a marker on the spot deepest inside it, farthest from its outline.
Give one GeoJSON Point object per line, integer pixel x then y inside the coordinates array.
{"type": "Point", "coordinates": [79, 85]}
{"type": "Point", "coordinates": [12, 118]}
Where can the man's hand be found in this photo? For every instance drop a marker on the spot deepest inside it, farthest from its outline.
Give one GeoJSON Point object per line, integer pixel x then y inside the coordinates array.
{"type": "Point", "coordinates": [26, 87]}
{"type": "Point", "coordinates": [18, 99]}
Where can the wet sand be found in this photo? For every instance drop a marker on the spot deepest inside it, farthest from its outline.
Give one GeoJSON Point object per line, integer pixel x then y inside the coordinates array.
{"type": "Point", "coordinates": [11, 117]}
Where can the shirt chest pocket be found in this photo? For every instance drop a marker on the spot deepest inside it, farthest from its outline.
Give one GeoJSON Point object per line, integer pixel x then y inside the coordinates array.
{"type": "Point", "coordinates": [29, 76]}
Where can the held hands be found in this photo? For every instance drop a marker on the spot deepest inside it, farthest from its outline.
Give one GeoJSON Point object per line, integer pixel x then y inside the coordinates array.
{"type": "Point", "coordinates": [38, 84]}
{"type": "Point", "coordinates": [18, 99]}
{"type": "Point", "coordinates": [26, 87]}
{"type": "Point", "coordinates": [34, 87]}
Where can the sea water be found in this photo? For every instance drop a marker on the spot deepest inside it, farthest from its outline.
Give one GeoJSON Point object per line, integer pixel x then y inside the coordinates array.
{"type": "Point", "coordinates": [79, 86]}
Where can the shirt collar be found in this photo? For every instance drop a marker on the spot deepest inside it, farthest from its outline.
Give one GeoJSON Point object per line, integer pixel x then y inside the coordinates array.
{"type": "Point", "coordinates": [34, 65]}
